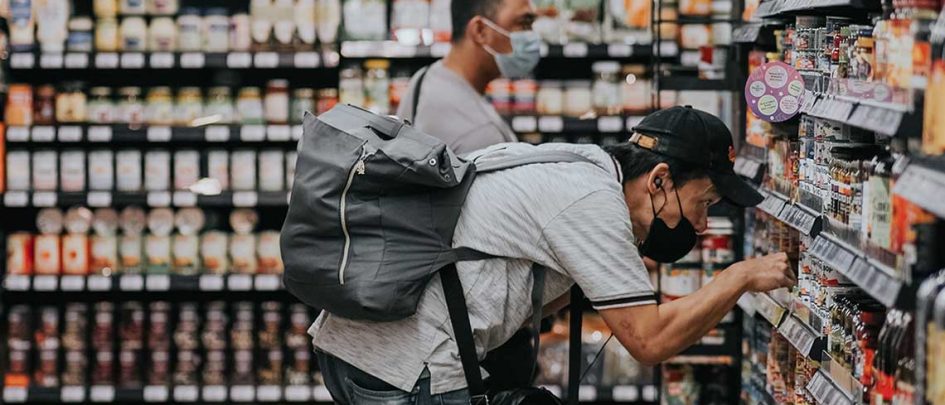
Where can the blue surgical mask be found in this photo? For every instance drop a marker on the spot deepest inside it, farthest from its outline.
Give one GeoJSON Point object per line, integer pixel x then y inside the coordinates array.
{"type": "Point", "coordinates": [526, 51]}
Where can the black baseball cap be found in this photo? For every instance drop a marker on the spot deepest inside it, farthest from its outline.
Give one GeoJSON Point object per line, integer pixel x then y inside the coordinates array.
{"type": "Point", "coordinates": [699, 138]}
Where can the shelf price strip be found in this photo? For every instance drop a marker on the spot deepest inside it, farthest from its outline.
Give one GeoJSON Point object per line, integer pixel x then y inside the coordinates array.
{"type": "Point", "coordinates": [923, 186]}
{"type": "Point", "coordinates": [769, 309]}
{"type": "Point", "coordinates": [799, 335]}
{"type": "Point", "coordinates": [832, 253]}
{"type": "Point", "coordinates": [825, 392]}
{"type": "Point", "coordinates": [879, 283]}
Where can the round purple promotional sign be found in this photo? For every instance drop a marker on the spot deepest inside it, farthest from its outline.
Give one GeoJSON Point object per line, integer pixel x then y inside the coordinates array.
{"type": "Point", "coordinates": [775, 92]}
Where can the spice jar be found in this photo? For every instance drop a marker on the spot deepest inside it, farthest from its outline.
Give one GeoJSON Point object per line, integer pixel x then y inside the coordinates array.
{"type": "Point", "coordinates": [106, 35]}
{"type": "Point", "coordinates": [524, 93]}
{"type": "Point", "coordinates": [186, 249]}
{"type": "Point", "coordinates": [158, 326]}
{"type": "Point", "coordinates": [351, 85]}
{"type": "Point", "coordinates": [249, 106]}
{"type": "Point", "coordinates": [277, 102]}
{"type": "Point", "coordinates": [302, 100]}
{"type": "Point", "coordinates": [19, 109]}
{"type": "Point", "coordinates": [185, 334]}
{"type": "Point", "coordinates": [550, 98]}
{"type": "Point", "coordinates": [240, 38]}
{"type": "Point", "coordinates": [217, 32]}
{"type": "Point", "coordinates": [100, 106]}
{"type": "Point", "coordinates": [44, 105]}
{"type": "Point", "coordinates": [189, 105]}
{"type": "Point", "coordinates": [160, 107]}
{"type": "Point", "coordinates": [377, 86]}
{"type": "Point", "coordinates": [189, 30]}
{"type": "Point", "coordinates": [70, 103]}
{"type": "Point", "coordinates": [606, 88]}
{"type": "Point", "coordinates": [80, 37]}
{"type": "Point", "coordinates": [327, 98]}
{"type": "Point", "coordinates": [220, 103]}
{"type": "Point", "coordinates": [270, 337]}
{"type": "Point", "coordinates": [130, 107]}
{"type": "Point", "coordinates": [162, 36]}
{"type": "Point", "coordinates": [162, 7]}
{"type": "Point", "coordinates": [134, 34]}
{"type": "Point", "coordinates": [104, 251]}
{"type": "Point", "coordinates": [213, 252]}
{"type": "Point", "coordinates": [577, 98]}
{"type": "Point", "coordinates": [132, 7]}
{"type": "Point", "coordinates": [214, 328]}
{"type": "Point", "coordinates": [636, 90]}
{"type": "Point", "coordinates": [132, 221]}
{"type": "Point", "coordinates": [105, 8]}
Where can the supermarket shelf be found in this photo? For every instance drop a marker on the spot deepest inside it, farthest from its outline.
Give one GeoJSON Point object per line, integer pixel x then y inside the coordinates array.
{"type": "Point", "coordinates": [559, 124]}
{"type": "Point", "coordinates": [798, 216]}
{"type": "Point", "coordinates": [172, 60]}
{"type": "Point", "coordinates": [702, 360]}
{"type": "Point", "coordinates": [247, 199]}
{"type": "Point", "coordinates": [692, 83]}
{"type": "Point", "coordinates": [923, 183]}
{"type": "Point", "coordinates": [876, 279]}
{"type": "Point", "coordinates": [750, 168]}
{"type": "Point", "coordinates": [784, 8]}
{"type": "Point", "coordinates": [746, 34]}
{"type": "Point", "coordinates": [825, 391]}
{"type": "Point", "coordinates": [393, 49]}
{"type": "Point", "coordinates": [803, 337]}
{"type": "Point", "coordinates": [179, 394]}
{"type": "Point", "coordinates": [883, 117]}
{"type": "Point", "coordinates": [768, 308]}
{"type": "Point", "coordinates": [617, 394]}
{"type": "Point", "coordinates": [142, 282]}
{"type": "Point", "coordinates": [123, 133]}
{"type": "Point", "coordinates": [696, 19]}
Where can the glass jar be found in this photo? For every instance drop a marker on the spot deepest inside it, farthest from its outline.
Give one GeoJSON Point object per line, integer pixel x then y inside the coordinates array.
{"type": "Point", "coordinates": [44, 105]}
{"type": "Point", "coordinates": [351, 86]}
{"type": "Point", "coordinates": [606, 89]}
{"type": "Point", "coordinates": [550, 98]}
{"type": "Point", "coordinates": [500, 93]}
{"type": "Point", "coordinates": [160, 108]}
{"type": "Point", "coordinates": [132, 7]}
{"type": "Point", "coordinates": [636, 90]}
{"type": "Point", "coordinates": [577, 98]}
{"type": "Point", "coordinates": [277, 101]}
{"type": "Point", "coordinates": [399, 87]}
{"type": "Point", "coordinates": [189, 105]}
{"type": "Point", "coordinates": [70, 103]}
{"type": "Point", "coordinates": [249, 106]}
{"type": "Point", "coordinates": [377, 86]}
{"type": "Point", "coordinates": [162, 7]}
{"type": "Point", "coordinates": [162, 36]}
{"type": "Point", "coordinates": [80, 35]}
{"type": "Point", "coordinates": [130, 106]}
{"type": "Point", "coordinates": [106, 35]}
{"type": "Point", "coordinates": [217, 33]}
{"type": "Point", "coordinates": [101, 108]}
{"type": "Point", "coordinates": [240, 38]}
{"type": "Point", "coordinates": [134, 34]}
{"type": "Point", "coordinates": [302, 100]}
{"type": "Point", "coordinates": [105, 8]}
{"type": "Point", "coordinates": [189, 30]}
{"type": "Point", "coordinates": [327, 98]}
{"type": "Point", "coordinates": [524, 92]}
{"type": "Point", "coordinates": [220, 103]}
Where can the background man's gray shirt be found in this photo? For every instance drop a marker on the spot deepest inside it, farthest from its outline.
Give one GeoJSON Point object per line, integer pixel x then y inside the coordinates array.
{"type": "Point", "coordinates": [450, 109]}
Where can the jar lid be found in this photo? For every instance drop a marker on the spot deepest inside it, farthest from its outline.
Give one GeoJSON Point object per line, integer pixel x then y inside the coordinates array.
{"type": "Point", "coordinates": [160, 306]}
{"type": "Point", "coordinates": [189, 92]}
{"type": "Point", "coordinates": [101, 91]}
{"type": "Point", "coordinates": [189, 221]}
{"type": "Point", "coordinates": [49, 221]}
{"type": "Point", "coordinates": [78, 220]}
{"type": "Point", "coordinates": [219, 91]}
{"type": "Point", "coordinates": [159, 91]}
{"type": "Point", "coordinates": [249, 92]}
{"type": "Point", "coordinates": [376, 64]}
{"type": "Point", "coordinates": [130, 91]}
{"type": "Point", "coordinates": [608, 66]}
{"type": "Point", "coordinates": [46, 90]}
{"type": "Point", "coordinates": [328, 93]}
{"type": "Point", "coordinates": [80, 24]}
{"type": "Point", "coordinates": [132, 220]}
{"type": "Point", "coordinates": [161, 21]}
{"type": "Point", "coordinates": [304, 93]}
{"type": "Point", "coordinates": [243, 221]}
{"type": "Point", "coordinates": [278, 84]}
{"type": "Point", "coordinates": [161, 221]}
{"type": "Point", "coordinates": [105, 222]}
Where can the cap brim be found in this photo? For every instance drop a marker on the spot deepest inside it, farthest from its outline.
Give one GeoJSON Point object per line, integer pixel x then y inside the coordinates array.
{"type": "Point", "coordinates": [736, 190]}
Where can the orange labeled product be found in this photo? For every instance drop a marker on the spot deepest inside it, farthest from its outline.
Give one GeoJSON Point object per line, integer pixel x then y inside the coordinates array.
{"type": "Point", "coordinates": [19, 110]}
{"type": "Point", "coordinates": [75, 254]}
{"type": "Point", "coordinates": [46, 257]}
{"type": "Point", "coordinates": [20, 253]}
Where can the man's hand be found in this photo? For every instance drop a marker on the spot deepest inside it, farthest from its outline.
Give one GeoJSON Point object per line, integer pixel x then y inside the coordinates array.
{"type": "Point", "coordinates": [766, 273]}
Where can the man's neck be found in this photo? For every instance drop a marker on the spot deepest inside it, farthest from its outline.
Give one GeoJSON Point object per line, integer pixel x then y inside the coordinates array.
{"type": "Point", "coordinates": [461, 59]}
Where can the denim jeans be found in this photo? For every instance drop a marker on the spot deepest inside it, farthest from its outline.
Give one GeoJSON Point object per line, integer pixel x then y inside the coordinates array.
{"type": "Point", "coordinates": [349, 385]}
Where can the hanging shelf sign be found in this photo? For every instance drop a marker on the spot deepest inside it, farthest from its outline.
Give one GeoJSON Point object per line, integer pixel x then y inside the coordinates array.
{"type": "Point", "coordinates": [775, 92]}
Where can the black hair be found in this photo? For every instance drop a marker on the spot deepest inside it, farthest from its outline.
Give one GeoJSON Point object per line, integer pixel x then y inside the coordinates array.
{"type": "Point", "coordinates": [636, 161]}
{"type": "Point", "coordinates": [464, 10]}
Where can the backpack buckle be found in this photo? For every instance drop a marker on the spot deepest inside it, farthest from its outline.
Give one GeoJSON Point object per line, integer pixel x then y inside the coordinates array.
{"type": "Point", "coordinates": [479, 399]}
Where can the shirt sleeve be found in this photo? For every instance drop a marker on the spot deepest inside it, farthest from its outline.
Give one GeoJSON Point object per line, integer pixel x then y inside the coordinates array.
{"type": "Point", "coordinates": [592, 242]}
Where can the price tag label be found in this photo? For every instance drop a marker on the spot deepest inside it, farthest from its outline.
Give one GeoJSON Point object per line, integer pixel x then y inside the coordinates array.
{"type": "Point", "coordinates": [185, 199]}
{"type": "Point", "coordinates": [668, 48]}
{"type": "Point", "coordinates": [70, 133]}
{"type": "Point", "coordinates": [18, 134]}
{"type": "Point", "coordinates": [620, 51]}
{"type": "Point", "coordinates": [320, 393]}
{"type": "Point", "coordinates": [439, 49]}
{"type": "Point", "coordinates": [131, 282]}
{"type": "Point", "coordinates": [192, 60]}
{"type": "Point", "coordinates": [162, 60]}
{"type": "Point", "coordinates": [239, 60]}
{"type": "Point", "coordinates": [100, 133]}
{"type": "Point", "coordinates": [72, 283]}
{"type": "Point", "coordinates": [245, 199]}
{"type": "Point", "coordinates": [132, 60]}
{"type": "Point", "coordinates": [102, 393]}
{"type": "Point", "coordinates": [550, 124]}
{"type": "Point", "coordinates": [924, 187]}
{"type": "Point", "coordinates": [99, 283]}
{"type": "Point", "coordinates": [279, 133]}
{"type": "Point", "coordinates": [266, 60]}
{"type": "Point", "coordinates": [587, 393]}
{"type": "Point", "coordinates": [16, 199]}
{"type": "Point", "coordinates": [106, 60]}
{"type": "Point", "coordinates": [626, 393]}
{"type": "Point", "coordinates": [524, 124]}
{"type": "Point", "coordinates": [825, 392]}
{"type": "Point", "coordinates": [72, 394]}
{"type": "Point", "coordinates": [155, 393]}
{"type": "Point", "coordinates": [51, 61]}
{"type": "Point", "coordinates": [269, 393]}
{"type": "Point", "coordinates": [99, 199]}
{"type": "Point", "coordinates": [268, 282]}
{"type": "Point", "coordinates": [16, 282]}
{"type": "Point", "coordinates": [296, 132]}
{"type": "Point", "coordinates": [609, 124]}
{"type": "Point", "coordinates": [574, 50]}
{"type": "Point", "coordinates": [217, 133]}
{"type": "Point", "coordinates": [158, 282]}
{"type": "Point", "coordinates": [307, 60]}
{"type": "Point", "coordinates": [798, 335]}
{"type": "Point", "coordinates": [769, 309]}
{"type": "Point", "coordinates": [240, 282]}
{"type": "Point", "coordinates": [253, 133]}
{"type": "Point", "coordinates": [45, 283]}
{"type": "Point", "coordinates": [211, 282]}
{"type": "Point", "coordinates": [44, 199]}
{"type": "Point", "coordinates": [14, 394]}
{"type": "Point", "coordinates": [159, 199]}
{"type": "Point", "coordinates": [649, 393]}
{"type": "Point", "coordinates": [43, 134]}
{"type": "Point", "coordinates": [159, 134]}
{"type": "Point", "coordinates": [747, 303]}
{"type": "Point", "coordinates": [185, 393]}
{"type": "Point", "coordinates": [214, 393]}
{"type": "Point", "coordinates": [243, 393]}
{"type": "Point", "coordinates": [298, 393]}
{"type": "Point", "coordinates": [22, 60]}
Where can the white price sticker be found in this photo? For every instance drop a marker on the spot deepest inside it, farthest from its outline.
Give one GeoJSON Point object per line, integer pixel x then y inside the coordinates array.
{"type": "Point", "coordinates": [162, 60]}
{"type": "Point", "coordinates": [268, 393]}
{"type": "Point", "coordinates": [16, 199]}
{"type": "Point", "coordinates": [279, 133]}
{"type": "Point", "coordinates": [268, 282]}
{"type": "Point", "coordinates": [550, 124]}
{"type": "Point", "coordinates": [299, 393]}
{"type": "Point", "coordinates": [240, 282]}
{"type": "Point", "coordinates": [99, 283]}
{"type": "Point", "coordinates": [100, 133]}
{"type": "Point", "coordinates": [798, 334]}
{"type": "Point", "coordinates": [100, 199]}
{"type": "Point", "coordinates": [587, 393]}
{"type": "Point", "coordinates": [609, 124]}
{"type": "Point", "coordinates": [158, 282]}
{"type": "Point", "coordinates": [266, 60]}
{"type": "Point", "coordinates": [16, 282]}
{"type": "Point", "coordinates": [44, 199]}
{"type": "Point", "coordinates": [185, 199]}
{"type": "Point", "coordinates": [45, 283]}
{"type": "Point", "coordinates": [649, 393]}
{"type": "Point", "coordinates": [668, 48]}
{"type": "Point", "coordinates": [131, 282]}
{"type": "Point", "coordinates": [320, 393]}
{"type": "Point", "coordinates": [307, 60]}
{"type": "Point", "coordinates": [51, 61]}
{"type": "Point", "coordinates": [156, 393]}
{"type": "Point", "coordinates": [106, 60]}
{"type": "Point", "coordinates": [70, 133]}
{"type": "Point", "coordinates": [524, 124]}
{"type": "Point", "coordinates": [72, 283]}
{"type": "Point", "coordinates": [159, 134]}
{"type": "Point", "coordinates": [245, 199]}
{"type": "Point", "coordinates": [159, 199]}
{"type": "Point", "coordinates": [217, 133]}
{"type": "Point", "coordinates": [185, 393]}
{"type": "Point", "coordinates": [192, 60]}
{"type": "Point", "coordinates": [626, 393]}
{"type": "Point", "coordinates": [102, 393]}
{"type": "Point", "coordinates": [243, 393]}
{"type": "Point", "coordinates": [14, 394]}
{"type": "Point", "coordinates": [575, 50]}
{"type": "Point", "coordinates": [22, 60]}
{"type": "Point", "coordinates": [43, 134]}
{"type": "Point", "coordinates": [72, 394]}
{"type": "Point", "coordinates": [211, 282]}
{"type": "Point", "coordinates": [214, 393]}
{"type": "Point", "coordinates": [253, 133]}
{"type": "Point", "coordinates": [620, 51]}
{"type": "Point", "coordinates": [239, 60]}
{"type": "Point", "coordinates": [296, 132]}
{"type": "Point", "coordinates": [132, 60]}
{"type": "Point", "coordinates": [18, 134]}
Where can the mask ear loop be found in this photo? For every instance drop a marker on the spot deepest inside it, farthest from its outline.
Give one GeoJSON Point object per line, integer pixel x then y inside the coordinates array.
{"type": "Point", "coordinates": [653, 205]}
{"type": "Point", "coordinates": [679, 203]}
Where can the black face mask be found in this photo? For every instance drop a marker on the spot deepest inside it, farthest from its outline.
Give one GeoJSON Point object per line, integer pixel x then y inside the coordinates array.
{"type": "Point", "coordinates": [665, 244]}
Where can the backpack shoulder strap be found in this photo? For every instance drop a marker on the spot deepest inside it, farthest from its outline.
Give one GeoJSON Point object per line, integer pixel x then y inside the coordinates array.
{"type": "Point", "coordinates": [416, 93]}
{"type": "Point", "coordinates": [548, 156]}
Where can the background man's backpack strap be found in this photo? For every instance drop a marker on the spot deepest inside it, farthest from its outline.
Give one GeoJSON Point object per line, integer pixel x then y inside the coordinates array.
{"type": "Point", "coordinates": [574, 344]}
{"type": "Point", "coordinates": [416, 93]}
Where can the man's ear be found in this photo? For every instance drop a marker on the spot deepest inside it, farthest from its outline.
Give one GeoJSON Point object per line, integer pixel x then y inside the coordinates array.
{"type": "Point", "coordinates": [476, 31]}
{"type": "Point", "coordinates": [659, 179]}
